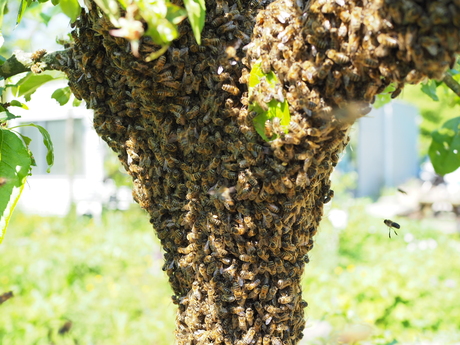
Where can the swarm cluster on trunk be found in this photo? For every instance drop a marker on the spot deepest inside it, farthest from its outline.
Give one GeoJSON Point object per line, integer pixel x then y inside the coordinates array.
{"type": "Point", "coordinates": [236, 215]}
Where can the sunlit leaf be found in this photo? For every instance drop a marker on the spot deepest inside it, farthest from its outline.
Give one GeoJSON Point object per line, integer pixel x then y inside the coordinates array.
{"type": "Point", "coordinates": [22, 8]}
{"type": "Point", "coordinates": [71, 8]}
{"type": "Point", "coordinates": [2, 12]}
{"type": "Point", "coordinates": [62, 95]}
{"type": "Point", "coordinates": [163, 33]}
{"type": "Point", "coordinates": [384, 97]}
{"type": "Point", "coordinates": [444, 150]}
{"type": "Point", "coordinates": [196, 11]}
{"type": "Point", "coordinates": [429, 89]}
{"type": "Point", "coordinates": [45, 18]}
{"type": "Point", "coordinates": [175, 13]}
{"type": "Point", "coordinates": [76, 102]}
{"type": "Point", "coordinates": [14, 169]}
{"type": "Point", "coordinates": [110, 9]}
{"type": "Point", "coordinates": [46, 141]}
{"type": "Point", "coordinates": [15, 103]}
{"type": "Point", "coordinates": [30, 83]}
{"type": "Point", "coordinates": [6, 115]}
{"type": "Point", "coordinates": [276, 109]}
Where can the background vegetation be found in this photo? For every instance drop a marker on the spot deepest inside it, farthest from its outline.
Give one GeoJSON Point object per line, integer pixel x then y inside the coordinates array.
{"type": "Point", "coordinates": [114, 291]}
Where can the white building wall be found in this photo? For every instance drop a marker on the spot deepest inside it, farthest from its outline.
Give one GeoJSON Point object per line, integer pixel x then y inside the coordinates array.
{"type": "Point", "coordinates": [387, 148]}
{"type": "Point", "coordinates": [52, 194]}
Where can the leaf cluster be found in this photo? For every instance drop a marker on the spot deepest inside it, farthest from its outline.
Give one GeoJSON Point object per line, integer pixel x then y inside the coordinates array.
{"type": "Point", "coordinates": [276, 109]}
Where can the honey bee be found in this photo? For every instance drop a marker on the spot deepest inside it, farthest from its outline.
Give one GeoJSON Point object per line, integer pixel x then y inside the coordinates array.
{"type": "Point", "coordinates": [321, 43]}
{"type": "Point", "coordinates": [253, 285]}
{"type": "Point", "coordinates": [159, 64]}
{"type": "Point", "coordinates": [387, 41]}
{"type": "Point", "coordinates": [391, 225]}
{"type": "Point", "coordinates": [179, 72]}
{"type": "Point", "coordinates": [227, 298]}
{"type": "Point", "coordinates": [263, 292]}
{"type": "Point", "coordinates": [231, 89]}
{"type": "Point", "coordinates": [398, 90]}
{"type": "Point", "coordinates": [265, 64]}
{"type": "Point", "coordinates": [211, 41]}
{"type": "Point", "coordinates": [339, 58]}
{"type": "Point", "coordinates": [249, 336]}
{"type": "Point", "coordinates": [249, 316]}
{"type": "Point", "coordinates": [227, 27]}
{"type": "Point", "coordinates": [355, 20]}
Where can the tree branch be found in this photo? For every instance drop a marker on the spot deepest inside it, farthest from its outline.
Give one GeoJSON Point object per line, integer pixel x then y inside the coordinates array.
{"type": "Point", "coordinates": [37, 62]}
{"type": "Point", "coordinates": [451, 83]}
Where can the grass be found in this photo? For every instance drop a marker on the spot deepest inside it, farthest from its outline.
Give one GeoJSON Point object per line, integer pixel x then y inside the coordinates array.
{"type": "Point", "coordinates": [106, 278]}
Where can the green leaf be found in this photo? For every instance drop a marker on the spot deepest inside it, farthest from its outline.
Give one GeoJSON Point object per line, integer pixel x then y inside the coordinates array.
{"type": "Point", "coordinates": [55, 2]}
{"type": "Point", "coordinates": [22, 8]}
{"type": "Point", "coordinates": [26, 139]}
{"type": "Point", "coordinates": [76, 102]}
{"type": "Point", "coordinates": [46, 141]}
{"type": "Point", "coordinates": [14, 169]}
{"type": "Point", "coordinates": [196, 11]}
{"type": "Point", "coordinates": [30, 83]}
{"type": "Point", "coordinates": [110, 9]}
{"type": "Point", "coordinates": [175, 13]}
{"type": "Point", "coordinates": [62, 95]}
{"type": "Point", "coordinates": [15, 103]}
{"type": "Point", "coordinates": [276, 109]}
{"type": "Point", "coordinates": [163, 33]}
{"type": "Point", "coordinates": [71, 8]}
{"type": "Point", "coordinates": [429, 89]}
{"type": "Point", "coordinates": [5, 115]}
{"type": "Point", "coordinates": [45, 18]}
{"type": "Point", "coordinates": [444, 150]}
{"type": "Point", "coordinates": [384, 97]}
{"type": "Point", "coordinates": [2, 12]}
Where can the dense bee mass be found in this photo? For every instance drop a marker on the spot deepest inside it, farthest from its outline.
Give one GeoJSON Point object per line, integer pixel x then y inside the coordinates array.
{"type": "Point", "coordinates": [235, 215]}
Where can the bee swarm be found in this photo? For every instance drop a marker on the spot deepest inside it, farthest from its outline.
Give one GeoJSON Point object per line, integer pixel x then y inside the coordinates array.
{"type": "Point", "coordinates": [236, 216]}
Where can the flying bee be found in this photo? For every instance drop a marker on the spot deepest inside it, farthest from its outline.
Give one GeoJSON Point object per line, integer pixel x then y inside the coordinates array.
{"type": "Point", "coordinates": [231, 89]}
{"type": "Point", "coordinates": [391, 225]}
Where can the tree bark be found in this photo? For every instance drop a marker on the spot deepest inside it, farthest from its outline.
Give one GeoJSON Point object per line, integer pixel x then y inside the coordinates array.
{"type": "Point", "coordinates": [236, 215]}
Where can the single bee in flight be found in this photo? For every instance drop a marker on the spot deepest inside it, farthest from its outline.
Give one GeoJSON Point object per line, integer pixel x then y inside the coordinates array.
{"type": "Point", "coordinates": [391, 225]}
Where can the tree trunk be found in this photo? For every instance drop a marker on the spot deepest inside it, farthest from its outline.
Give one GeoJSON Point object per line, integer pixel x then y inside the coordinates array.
{"type": "Point", "coordinates": [236, 215]}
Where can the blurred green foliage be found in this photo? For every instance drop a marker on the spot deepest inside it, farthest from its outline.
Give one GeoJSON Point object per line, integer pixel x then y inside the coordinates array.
{"type": "Point", "coordinates": [106, 278]}
{"type": "Point", "coordinates": [111, 288]}
{"type": "Point", "coordinates": [434, 114]}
